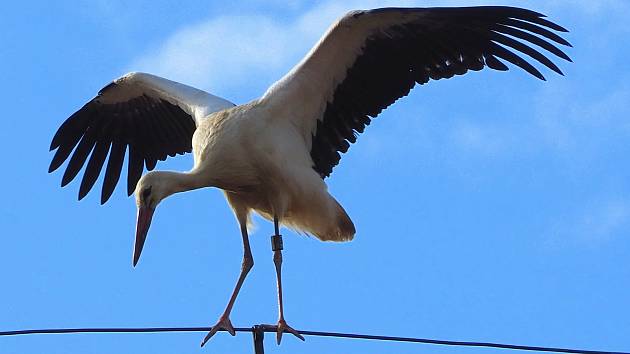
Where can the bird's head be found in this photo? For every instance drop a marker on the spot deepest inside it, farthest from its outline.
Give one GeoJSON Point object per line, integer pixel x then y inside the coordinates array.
{"type": "Point", "coordinates": [150, 191]}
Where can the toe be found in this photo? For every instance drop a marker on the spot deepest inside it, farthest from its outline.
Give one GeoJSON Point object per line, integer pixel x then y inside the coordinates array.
{"type": "Point", "coordinates": [209, 335]}
{"type": "Point", "coordinates": [279, 335]}
{"type": "Point", "coordinates": [283, 327]}
{"type": "Point", "coordinates": [228, 327]}
{"type": "Point", "coordinates": [223, 323]}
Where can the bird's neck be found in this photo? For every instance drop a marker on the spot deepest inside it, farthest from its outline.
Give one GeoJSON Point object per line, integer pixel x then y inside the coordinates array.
{"type": "Point", "coordinates": [182, 181]}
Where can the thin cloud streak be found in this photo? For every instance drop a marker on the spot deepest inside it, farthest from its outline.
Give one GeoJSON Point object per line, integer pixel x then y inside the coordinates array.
{"type": "Point", "coordinates": [224, 53]}
{"type": "Point", "coordinates": [596, 223]}
{"type": "Point", "coordinates": [220, 53]}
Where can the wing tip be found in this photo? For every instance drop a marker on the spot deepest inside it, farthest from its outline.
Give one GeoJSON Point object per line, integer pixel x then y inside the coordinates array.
{"type": "Point", "coordinates": [106, 194]}
{"type": "Point", "coordinates": [53, 167]}
{"type": "Point", "coordinates": [66, 179]}
{"type": "Point", "coordinates": [560, 28]}
{"type": "Point", "coordinates": [82, 192]}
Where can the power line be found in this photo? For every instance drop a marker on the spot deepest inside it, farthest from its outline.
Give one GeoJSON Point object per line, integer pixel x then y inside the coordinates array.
{"type": "Point", "coordinates": [270, 328]}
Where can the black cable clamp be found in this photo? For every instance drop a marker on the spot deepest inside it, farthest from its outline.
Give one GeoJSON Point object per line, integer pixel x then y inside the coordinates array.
{"type": "Point", "coordinates": [259, 334]}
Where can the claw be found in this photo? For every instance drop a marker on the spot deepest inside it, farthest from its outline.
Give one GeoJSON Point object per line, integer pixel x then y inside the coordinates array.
{"type": "Point", "coordinates": [223, 323]}
{"type": "Point", "coordinates": [283, 327]}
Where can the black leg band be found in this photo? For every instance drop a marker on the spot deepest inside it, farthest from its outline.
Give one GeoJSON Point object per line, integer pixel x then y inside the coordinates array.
{"type": "Point", "coordinates": [276, 243]}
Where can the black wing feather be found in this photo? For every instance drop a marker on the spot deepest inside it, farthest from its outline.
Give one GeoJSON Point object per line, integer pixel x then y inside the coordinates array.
{"type": "Point", "coordinates": [440, 44]}
{"type": "Point", "coordinates": [151, 129]}
{"type": "Point", "coordinates": [94, 167]}
{"type": "Point", "coordinates": [134, 171]}
{"type": "Point", "coordinates": [80, 155]}
{"type": "Point", "coordinates": [114, 167]}
{"type": "Point", "coordinates": [534, 29]}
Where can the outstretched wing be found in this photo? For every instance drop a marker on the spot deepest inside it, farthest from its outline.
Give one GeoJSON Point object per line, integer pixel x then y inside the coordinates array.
{"type": "Point", "coordinates": [152, 116]}
{"type": "Point", "coordinates": [369, 59]}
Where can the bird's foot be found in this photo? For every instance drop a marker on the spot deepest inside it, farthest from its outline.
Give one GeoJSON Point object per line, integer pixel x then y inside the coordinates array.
{"type": "Point", "coordinates": [223, 323]}
{"type": "Point", "coordinates": [283, 327]}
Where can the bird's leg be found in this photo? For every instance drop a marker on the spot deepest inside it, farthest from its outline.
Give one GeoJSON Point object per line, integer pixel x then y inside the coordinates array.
{"type": "Point", "coordinates": [248, 262]}
{"type": "Point", "coordinates": [276, 245]}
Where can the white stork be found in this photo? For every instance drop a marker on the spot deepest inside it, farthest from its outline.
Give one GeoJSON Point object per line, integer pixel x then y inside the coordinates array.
{"type": "Point", "coordinates": [271, 155]}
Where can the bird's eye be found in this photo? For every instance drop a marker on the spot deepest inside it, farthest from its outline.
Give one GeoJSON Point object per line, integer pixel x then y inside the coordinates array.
{"type": "Point", "coordinates": [146, 193]}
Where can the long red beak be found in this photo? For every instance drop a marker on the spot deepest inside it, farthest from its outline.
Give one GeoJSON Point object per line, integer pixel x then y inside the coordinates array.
{"type": "Point", "coordinates": [142, 228]}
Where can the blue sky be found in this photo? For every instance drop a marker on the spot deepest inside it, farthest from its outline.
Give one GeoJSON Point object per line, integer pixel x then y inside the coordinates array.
{"type": "Point", "coordinates": [491, 207]}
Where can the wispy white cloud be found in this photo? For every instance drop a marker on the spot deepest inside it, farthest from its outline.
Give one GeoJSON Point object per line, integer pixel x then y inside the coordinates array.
{"type": "Point", "coordinates": [221, 52]}
{"type": "Point", "coordinates": [589, 7]}
{"type": "Point", "coordinates": [480, 139]}
{"type": "Point", "coordinates": [566, 121]}
{"type": "Point", "coordinates": [596, 223]}
{"type": "Point", "coordinates": [225, 53]}
{"type": "Point", "coordinates": [570, 120]}
{"type": "Point", "coordinates": [604, 221]}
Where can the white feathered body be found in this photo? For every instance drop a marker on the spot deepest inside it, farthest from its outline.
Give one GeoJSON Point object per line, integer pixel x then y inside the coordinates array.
{"type": "Point", "coordinates": [262, 162]}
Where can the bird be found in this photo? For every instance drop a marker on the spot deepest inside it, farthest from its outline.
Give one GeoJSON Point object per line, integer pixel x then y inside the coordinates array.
{"type": "Point", "coordinates": [272, 155]}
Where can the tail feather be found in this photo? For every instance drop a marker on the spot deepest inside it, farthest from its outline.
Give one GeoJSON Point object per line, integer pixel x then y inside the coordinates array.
{"type": "Point", "coordinates": [335, 225]}
{"type": "Point", "coordinates": [325, 219]}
